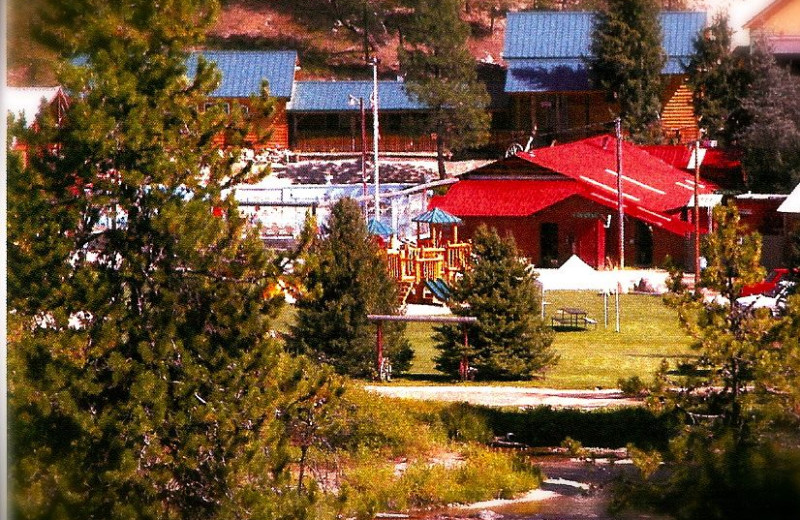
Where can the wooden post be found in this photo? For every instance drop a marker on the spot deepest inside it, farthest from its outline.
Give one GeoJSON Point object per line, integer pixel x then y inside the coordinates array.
{"type": "Point", "coordinates": [379, 348]}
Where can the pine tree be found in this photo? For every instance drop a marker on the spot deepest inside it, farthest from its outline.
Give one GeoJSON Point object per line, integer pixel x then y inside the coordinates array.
{"type": "Point", "coordinates": [719, 80]}
{"type": "Point", "coordinates": [441, 73]}
{"type": "Point", "coordinates": [736, 403]}
{"type": "Point", "coordinates": [510, 340]}
{"type": "Point", "coordinates": [143, 383]}
{"type": "Point", "coordinates": [626, 62]}
{"type": "Point", "coordinates": [346, 278]}
{"type": "Point", "coordinates": [771, 136]}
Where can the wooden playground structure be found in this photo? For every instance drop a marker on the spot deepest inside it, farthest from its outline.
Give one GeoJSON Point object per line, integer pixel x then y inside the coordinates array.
{"type": "Point", "coordinates": [426, 270]}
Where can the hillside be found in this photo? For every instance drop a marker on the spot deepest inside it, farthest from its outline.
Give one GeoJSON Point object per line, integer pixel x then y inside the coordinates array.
{"type": "Point", "coordinates": [326, 47]}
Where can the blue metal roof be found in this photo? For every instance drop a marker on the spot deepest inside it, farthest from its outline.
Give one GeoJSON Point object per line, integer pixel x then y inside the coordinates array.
{"type": "Point", "coordinates": [334, 96]}
{"type": "Point", "coordinates": [547, 75]}
{"type": "Point", "coordinates": [548, 34]}
{"type": "Point", "coordinates": [243, 71]}
{"type": "Point", "coordinates": [546, 50]}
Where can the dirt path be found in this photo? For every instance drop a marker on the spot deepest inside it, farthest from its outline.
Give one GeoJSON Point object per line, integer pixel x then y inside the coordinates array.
{"type": "Point", "coordinates": [510, 396]}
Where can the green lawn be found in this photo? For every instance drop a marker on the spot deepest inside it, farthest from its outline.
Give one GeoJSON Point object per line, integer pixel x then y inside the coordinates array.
{"type": "Point", "coordinates": [593, 358]}
{"type": "Point", "coordinates": [649, 332]}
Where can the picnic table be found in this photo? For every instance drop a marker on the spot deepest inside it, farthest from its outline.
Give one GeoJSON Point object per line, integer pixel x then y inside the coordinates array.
{"type": "Point", "coordinates": [572, 317]}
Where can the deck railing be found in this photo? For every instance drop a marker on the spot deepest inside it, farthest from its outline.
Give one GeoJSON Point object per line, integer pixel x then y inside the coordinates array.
{"type": "Point", "coordinates": [416, 264]}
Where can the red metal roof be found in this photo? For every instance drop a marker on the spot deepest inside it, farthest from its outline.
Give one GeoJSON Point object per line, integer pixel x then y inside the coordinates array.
{"type": "Point", "coordinates": [521, 198]}
{"type": "Point", "coordinates": [648, 182]}
{"type": "Point", "coordinates": [653, 191]}
{"type": "Point", "coordinates": [509, 198]}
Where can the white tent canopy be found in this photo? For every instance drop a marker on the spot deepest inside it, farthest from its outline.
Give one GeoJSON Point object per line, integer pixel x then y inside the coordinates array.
{"type": "Point", "coordinates": [576, 275]}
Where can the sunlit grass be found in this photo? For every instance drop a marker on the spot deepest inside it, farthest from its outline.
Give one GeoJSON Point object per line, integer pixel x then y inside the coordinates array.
{"type": "Point", "coordinates": [649, 332]}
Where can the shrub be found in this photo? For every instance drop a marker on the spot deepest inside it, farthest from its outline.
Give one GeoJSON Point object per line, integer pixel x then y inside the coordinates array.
{"type": "Point", "coordinates": [464, 423]}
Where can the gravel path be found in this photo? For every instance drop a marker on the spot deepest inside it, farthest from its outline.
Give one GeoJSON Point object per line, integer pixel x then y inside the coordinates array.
{"type": "Point", "coordinates": [510, 396]}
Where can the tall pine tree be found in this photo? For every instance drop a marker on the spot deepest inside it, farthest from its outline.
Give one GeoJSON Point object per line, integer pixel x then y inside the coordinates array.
{"type": "Point", "coordinates": [441, 73]}
{"type": "Point", "coordinates": [719, 80]}
{"type": "Point", "coordinates": [771, 135]}
{"type": "Point", "coordinates": [626, 62]}
{"type": "Point", "coordinates": [143, 383]}
{"type": "Point", "coordinates": [510, 340]}
{"type": "Point", "coordinates": [346, 278]}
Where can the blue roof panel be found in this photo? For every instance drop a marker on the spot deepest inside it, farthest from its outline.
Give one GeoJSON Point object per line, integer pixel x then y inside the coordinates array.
{"type": "Point", "coordinates": [546, 51]}
{"type": "Point", "coordinates": [549, 34]}
{"type": "Point", "coordinates": [334, 96]}
{"type": "Point", "coordinates": [243, 71]}
{"type": "Point", "coordinates": [547, 75]}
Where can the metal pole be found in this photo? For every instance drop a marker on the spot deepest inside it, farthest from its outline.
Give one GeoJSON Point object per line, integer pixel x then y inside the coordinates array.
{"type": "Point", "coordinates": [363, 148]}
{"type": "Point", "coordinates": [620, 210]}
{"type": "Point", "coordinates": [696, 215]}
{"type": "Point", "coordinates": [617, 305]}
{"type": "Point", "coordinates": [376, 136]}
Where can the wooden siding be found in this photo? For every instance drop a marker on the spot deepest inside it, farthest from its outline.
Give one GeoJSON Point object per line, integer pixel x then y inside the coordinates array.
{"type": "Point", "coordinates": [677, 116]}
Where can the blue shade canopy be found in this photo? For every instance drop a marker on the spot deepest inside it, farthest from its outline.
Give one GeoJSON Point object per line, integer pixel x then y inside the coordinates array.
{"type": "Point", "coordinates": [437, 216]}
{"type": "Point", "coordinates": [376, 227]}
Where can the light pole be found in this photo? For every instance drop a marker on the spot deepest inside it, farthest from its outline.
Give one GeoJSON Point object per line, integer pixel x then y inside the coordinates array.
{"type": "Point", "coordinates": [375, 135]}
{"type": "Point", "coordinates": [360, 101]}
{"type": "Point", "coordinates": [620, 210]}
{"type": "Point", "coordinates": [696, 213]}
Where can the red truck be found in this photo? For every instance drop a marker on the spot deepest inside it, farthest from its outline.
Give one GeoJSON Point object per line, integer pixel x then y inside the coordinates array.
{"type": "Point", "coordinates": [769, 283]}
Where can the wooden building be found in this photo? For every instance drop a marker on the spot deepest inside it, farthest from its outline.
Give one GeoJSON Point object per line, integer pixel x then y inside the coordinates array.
{"type": "Point", "coordinates": [779, 23]}
{"type": "Point", "coordinates": [562, 200]}
{"type": "Point", "coordinates": [243, 73]}
{"type": "Point", "coordinates": [548, 77]}
{"type": "Point", "coordinates": [325, 116]}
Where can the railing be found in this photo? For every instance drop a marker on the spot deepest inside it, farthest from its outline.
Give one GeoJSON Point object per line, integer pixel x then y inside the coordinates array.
{"type": "Point", "coordinates": [458, 256]}
{"type": "Point", "coordinates": [428, 263]}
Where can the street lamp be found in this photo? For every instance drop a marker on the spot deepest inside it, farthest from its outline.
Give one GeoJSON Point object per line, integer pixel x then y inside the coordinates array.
{"type": "Point", "coordinates": [375, 134]}
{"type": "Point", "coordinates": [360, 101]}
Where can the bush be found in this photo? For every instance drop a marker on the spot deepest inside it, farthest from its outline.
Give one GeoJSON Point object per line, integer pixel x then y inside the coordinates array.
{"type": "Point", "coordinates": [463, 422]}
{"type": "Point", "coordinates": [632, 386]}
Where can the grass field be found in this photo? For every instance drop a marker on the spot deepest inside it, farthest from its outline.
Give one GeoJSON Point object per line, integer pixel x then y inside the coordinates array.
{"type": "Point", "coordinates": [649, 332]}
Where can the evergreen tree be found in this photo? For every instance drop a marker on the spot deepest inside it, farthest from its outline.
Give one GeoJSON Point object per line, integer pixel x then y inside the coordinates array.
{"type": "Point", "coordinates": [143, 383]}
{"type": "Point", "coordinates": [719, 80]}
{"type": "Point", "coordinates": [626, 62]}
{"type": "Point", "coordinates": [346, 278]}
{"type": "Point", "coordinates": [771, 137]}
{"type": "Point", "coordinates": [442, 74]}
{"type": "Point", "coordinates": [736, 402]}
{"type": "Point", "coordinates": [510, 340]}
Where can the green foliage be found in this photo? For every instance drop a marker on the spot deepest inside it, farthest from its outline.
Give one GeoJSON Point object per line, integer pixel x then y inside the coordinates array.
{"type": "Point", "coordinates": [465, 424]}
{"type": "Point", "coordinates": [719, 479]}
{"type": "Point", "coordinates": [719, 80]}
{"type": "Point", "coordinates": [510, 340]}
{"type": "Point", "coordinates": [346, 279]}
{"type": "Point", "coordinates": [143, 383]}
{"type": "Point", "coordinates": [733, 254]}
{"type": "Point", "coordinates": [632, 386]}
{"type": "Point", "coordinates": [626, 62]}
{"type": "Point", "coordinates": [475, 474]}
{"type": "Point", "coordinates": [573, 447]}
{"type": "Point", "coordinates": [771, 137]}
{"type": "Point", "coordinates": [737, 400]}
{"type": "Point", "coordinates": [441, 73]}
{"type": "Point", "coordinates": [545, 426]}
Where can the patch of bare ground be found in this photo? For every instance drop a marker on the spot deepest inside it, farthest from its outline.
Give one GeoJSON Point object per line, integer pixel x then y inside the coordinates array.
{"type": "Point", "coordinates": [511, 396]}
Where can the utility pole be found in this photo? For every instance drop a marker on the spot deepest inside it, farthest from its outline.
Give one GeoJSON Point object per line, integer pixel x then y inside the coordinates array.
{"type": "Point", "coordinates": [620, 210]}
{"type": "Point", "coordinates": [376, 136]}
{"type": "Point", "coordinates": [696, 215]}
